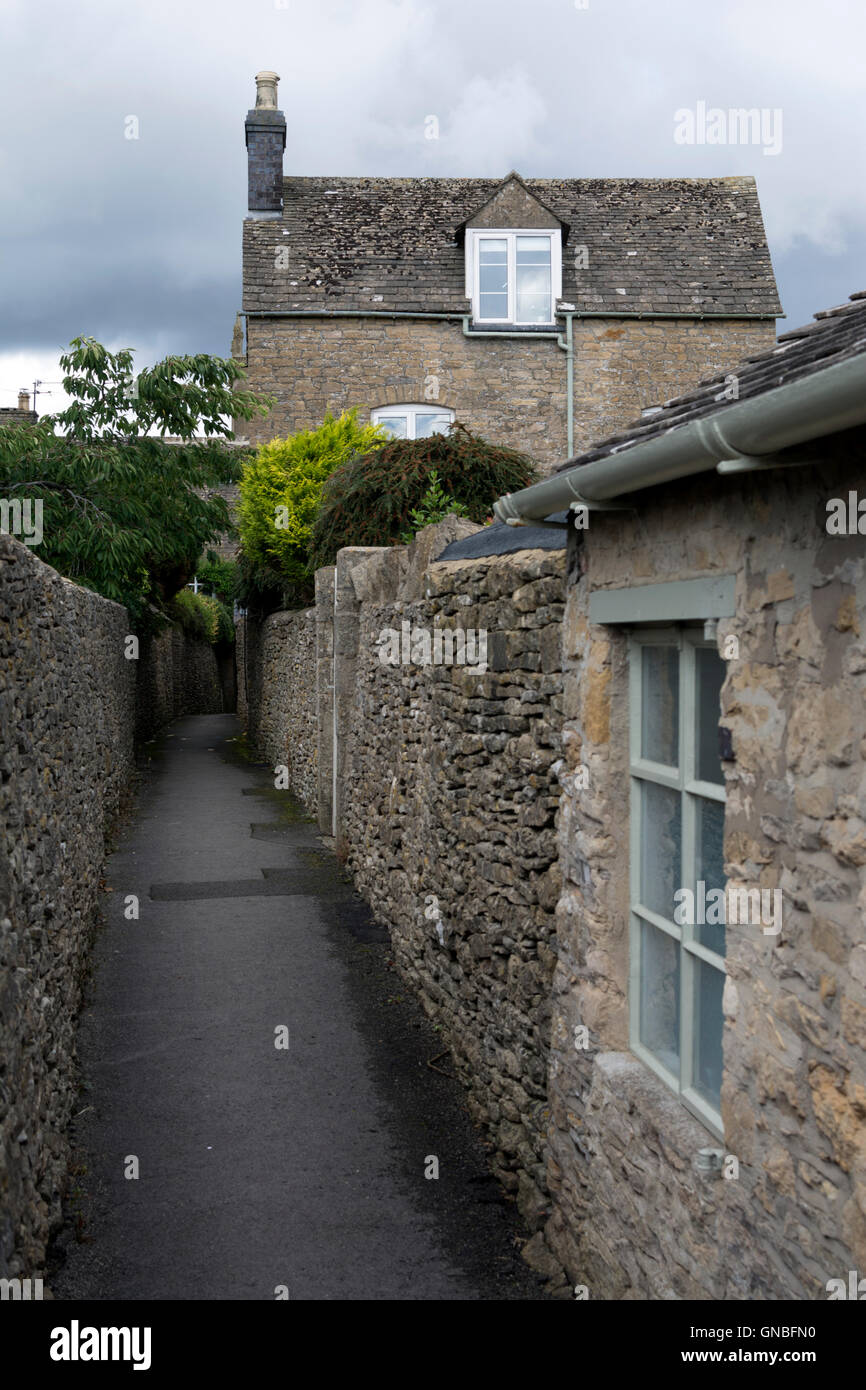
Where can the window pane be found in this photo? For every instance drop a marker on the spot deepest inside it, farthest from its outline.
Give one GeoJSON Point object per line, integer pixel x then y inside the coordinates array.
{"type": "Point", "coordinates": [394, 424]}
{"type": "Point", "coordinates": [532, 307]}
{"type": "Point", "coordinates": [533, 250]}
{"type": "Point", "coordinates": [492, 250]}
{"type": "Point", "coordinates": [708, 1024]}
{"type": "Point", "coordinates": [660, 995]}
{"type": "Point", "coordinates": [660, 705]}
{"type": "Point", "coordinates": [710, 673]}
{"type": "Point", "coordinates": [493, 306]}
{"type": "Point", "coordinates": [425, 425]}
{"type": "Point", "coordinates": [533, 279]}
{"type": "Point", "coordinates": [660, 849]}
{"type": "Point", "coordinates": [710, 869]}
{"type": "Point", "coordinates": [493, 278]}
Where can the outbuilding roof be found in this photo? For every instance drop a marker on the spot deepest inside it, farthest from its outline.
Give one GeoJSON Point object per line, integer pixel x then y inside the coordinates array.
{"type": "Point", "coordinates": [632, 246]}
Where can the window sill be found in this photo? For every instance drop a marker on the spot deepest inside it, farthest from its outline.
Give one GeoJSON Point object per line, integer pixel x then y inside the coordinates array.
{"type": "Point", "coordinates": [631, 1083]}
{"type": "Point", "coordinates": [531, 329]}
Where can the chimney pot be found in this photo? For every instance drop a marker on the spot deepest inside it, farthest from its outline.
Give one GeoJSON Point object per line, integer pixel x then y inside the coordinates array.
{"type": "Point", "coordinates": [23, 399]}
{"type": "Point", "coordinates": [266, 91]}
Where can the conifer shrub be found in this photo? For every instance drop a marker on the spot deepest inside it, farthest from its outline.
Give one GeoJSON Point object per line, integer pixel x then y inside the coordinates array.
{"type": "Point", "coordinates": [370, 499]}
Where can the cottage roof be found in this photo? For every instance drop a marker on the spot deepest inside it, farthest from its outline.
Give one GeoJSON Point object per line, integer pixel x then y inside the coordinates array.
{"type": "Point", "coordinates": [834, 335]}
{"type": "Point", "coordinates": [653, 246]}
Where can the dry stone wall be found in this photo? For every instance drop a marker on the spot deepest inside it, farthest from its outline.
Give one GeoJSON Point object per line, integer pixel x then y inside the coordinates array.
{"type": "Point", "coordinates": [68, 716]}
{"type": "Point", "coordinates": [178, 675]}
{"type": "Point", "coordinates": [277, 695]}
{"type": "Point", "coordinates": [449, 826]}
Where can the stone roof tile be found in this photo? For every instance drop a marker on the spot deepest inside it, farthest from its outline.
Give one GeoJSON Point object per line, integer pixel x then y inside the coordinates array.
{"type": "Point", "coordinates": [357, 243]}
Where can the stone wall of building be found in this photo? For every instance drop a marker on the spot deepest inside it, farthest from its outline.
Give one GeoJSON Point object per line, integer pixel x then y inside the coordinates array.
{"type": "Point", "coordinates": [510, 389]}
{"type": "Point", "coordinates": [634, 1218]}
{"type": "Point", "coordinates": [68, 716]}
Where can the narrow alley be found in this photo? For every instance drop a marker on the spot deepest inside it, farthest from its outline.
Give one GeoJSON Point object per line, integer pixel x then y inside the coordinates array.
{"type": "Point", "coordinates": [263, 1170]}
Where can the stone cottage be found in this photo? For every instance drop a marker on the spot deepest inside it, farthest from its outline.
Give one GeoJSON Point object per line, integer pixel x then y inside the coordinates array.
{"type": "Point", "coordinates": [540, 312]}
{"type": "Point", "coordinates": [708, 1058]}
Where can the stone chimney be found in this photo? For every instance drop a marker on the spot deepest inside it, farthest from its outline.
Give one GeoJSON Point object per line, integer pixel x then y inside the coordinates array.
{"type": "Point", "coordinates": [266, 140]}
{"type": "Point", "coordinates": [23, 399]}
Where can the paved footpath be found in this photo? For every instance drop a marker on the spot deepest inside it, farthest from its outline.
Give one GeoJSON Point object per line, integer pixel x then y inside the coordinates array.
{"type": "Point", "coordinates": [259, 1166]}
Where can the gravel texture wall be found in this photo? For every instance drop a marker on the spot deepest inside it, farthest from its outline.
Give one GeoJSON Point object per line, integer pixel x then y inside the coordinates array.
{"type": "Point", "coordinates": [277, 695]}
{"type": "Point", "coordinates": [449, 827]}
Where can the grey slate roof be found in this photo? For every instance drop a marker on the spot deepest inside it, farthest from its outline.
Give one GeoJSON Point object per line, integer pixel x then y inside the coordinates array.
{"type": "Point", "coordinates": [835, 335]}
{"type": "Point", "coordinates": [499, 539]}
{"type": "Point", "coordinates": [685, 246]}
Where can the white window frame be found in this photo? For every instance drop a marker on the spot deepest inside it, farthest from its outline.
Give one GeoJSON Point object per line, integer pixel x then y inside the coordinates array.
{"type": "Point", "coordinates": [683, 780]}
{"type": "Point", "coordinates": [410, 410]}
{"type": "Point", "coordinates": [474, 237]}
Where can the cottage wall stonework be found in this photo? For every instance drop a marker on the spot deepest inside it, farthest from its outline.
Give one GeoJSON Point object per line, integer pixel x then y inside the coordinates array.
{"type": "Point", "coordinates": [510, 390]}
{"type": "Point", "coordinates": [633, 1216]}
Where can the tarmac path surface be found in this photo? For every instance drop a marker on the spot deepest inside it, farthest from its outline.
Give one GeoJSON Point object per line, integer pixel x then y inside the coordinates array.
{"type": "Point", "coordinates": [263, 1170]}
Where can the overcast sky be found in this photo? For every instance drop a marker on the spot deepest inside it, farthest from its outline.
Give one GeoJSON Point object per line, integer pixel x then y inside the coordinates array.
{"type": "Point", "coordinates": [138, 241]}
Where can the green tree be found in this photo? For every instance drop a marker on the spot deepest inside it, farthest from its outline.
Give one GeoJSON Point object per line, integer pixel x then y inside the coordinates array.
{"type": "Point", "coordinates": [434, 506]}
{"type": "Point", "coordinates": [125, 512]}
{"type": "Point", "coordinates": [219, 577]}
{"type": "Point", "coordinates": [279, 498]}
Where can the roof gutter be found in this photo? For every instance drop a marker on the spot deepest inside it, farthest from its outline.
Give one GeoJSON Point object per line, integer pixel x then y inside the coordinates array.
{"type": "Point", "coordinates": [742, 436]}
{"type": "Point", "coordinates": [426, 314]}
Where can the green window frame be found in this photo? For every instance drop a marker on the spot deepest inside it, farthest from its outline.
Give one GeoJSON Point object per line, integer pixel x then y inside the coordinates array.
{"type": "Point", "coordinates": [677, 800]}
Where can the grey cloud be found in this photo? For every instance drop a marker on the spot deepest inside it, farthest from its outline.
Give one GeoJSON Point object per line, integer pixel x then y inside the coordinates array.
{"type": "Point", "coordinates": [139, 240]}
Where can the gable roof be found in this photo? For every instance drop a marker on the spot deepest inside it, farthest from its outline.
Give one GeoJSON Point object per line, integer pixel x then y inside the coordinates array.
{"type": "Point", "coordinates": [655, 246]}
{"type": "Point", "coordinates": [834, 336]}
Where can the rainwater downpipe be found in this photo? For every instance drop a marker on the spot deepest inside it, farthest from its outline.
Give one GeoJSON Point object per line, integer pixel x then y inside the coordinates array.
{"type": "Point", "coordinates": [568, 348]}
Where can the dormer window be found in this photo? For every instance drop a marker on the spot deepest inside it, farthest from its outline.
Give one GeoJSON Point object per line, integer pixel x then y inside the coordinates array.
{"type": "Point", "coordinates": [514, 276]}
